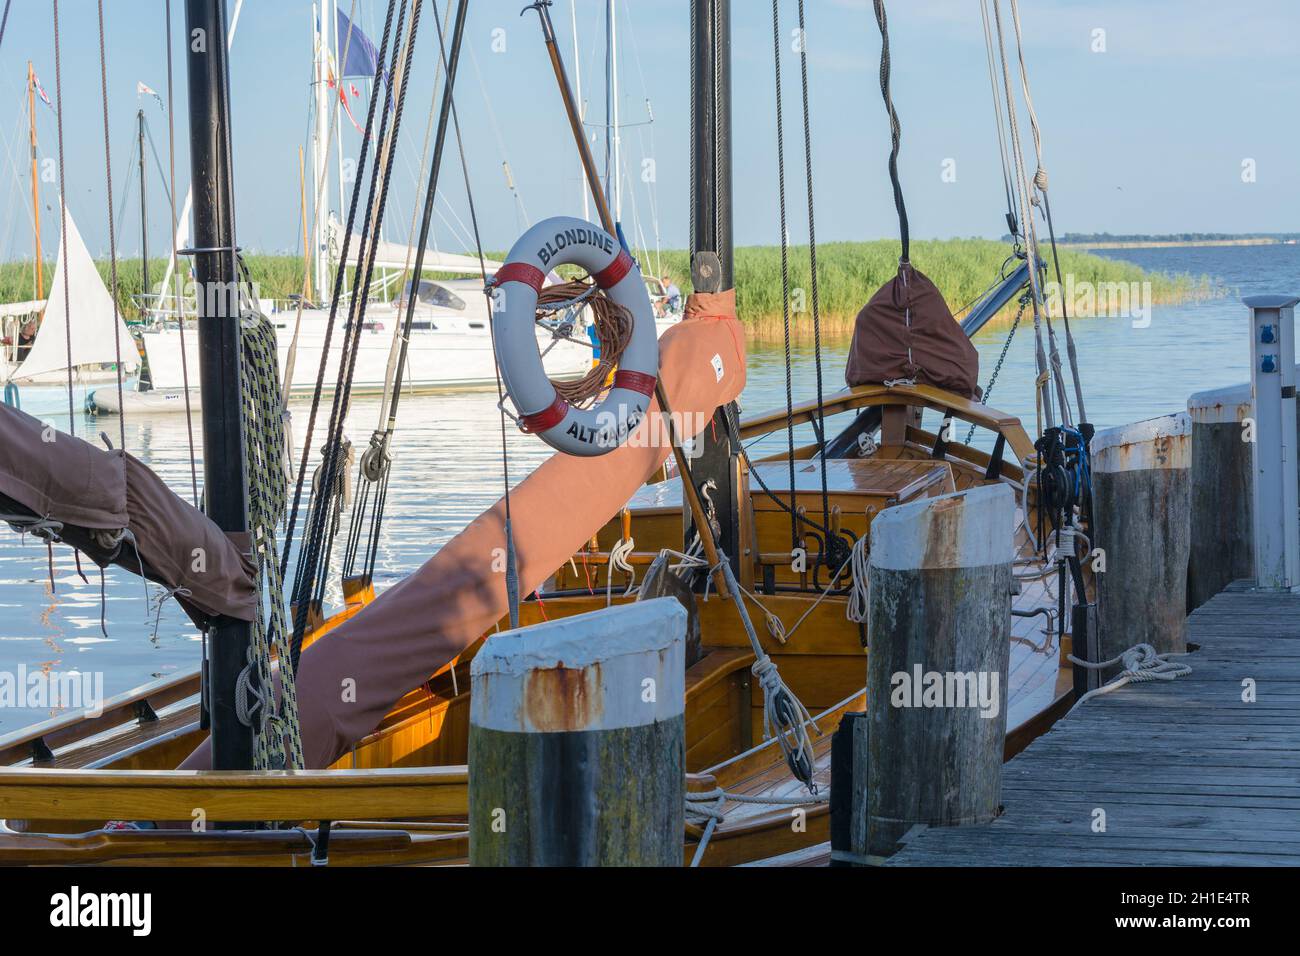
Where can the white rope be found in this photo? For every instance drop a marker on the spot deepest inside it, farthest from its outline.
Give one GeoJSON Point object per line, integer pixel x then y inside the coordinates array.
{"type": "Point", "coordinates": [705, 809]}
{"type": "Point", "coordinates": [1139, 664]}
{"type": "Point", "coordinates": [860, 592]}
{"type": "Point", "coordinates": [618, 562]}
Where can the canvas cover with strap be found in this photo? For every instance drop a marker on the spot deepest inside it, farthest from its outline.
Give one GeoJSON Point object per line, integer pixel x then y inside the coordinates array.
{"type": "Point", "coordinates": [96, 494]}
{"type": "Point", "coordinates": [906, 332]}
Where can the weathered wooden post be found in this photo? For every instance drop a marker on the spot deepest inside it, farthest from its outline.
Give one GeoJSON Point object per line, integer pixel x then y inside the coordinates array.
{"type": "Point", "coordinates": [940, 630]}
{"type": "Point", "coordinates": [577, 741]}
{"type": "Point", "coordinates": [1141, 485]}
{"type": "Point", "coordinates": [1221, 549]}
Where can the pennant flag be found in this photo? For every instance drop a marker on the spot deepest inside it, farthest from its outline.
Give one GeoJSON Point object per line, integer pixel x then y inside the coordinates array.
{"type": "Point", "coordinates": [41, 90]}
{"type": "Point", "coordinates": [361, 58]}
{"type": "Point", "coordinates": [348, 109]}
{"type": "Point", "coordinates": [141, 89]}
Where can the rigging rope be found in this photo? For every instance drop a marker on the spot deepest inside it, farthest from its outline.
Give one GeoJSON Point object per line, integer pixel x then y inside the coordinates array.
{"type": "Point", "coordinates": [785, 274]}
{"type": "Point", "coordinates": [812, 256]}
{"type": "Point", "coordinates": [311, 551]}
{"type": "Point", "coordinates": [176, 277]}
{"type": "Point", "coordinates": [63, 210]}
{"type": "Point", "coordinates": [895, 131]}
{"type": "Point", "coordinates": [1040, 183]}
{"type": "Point", "coordinates": [512, 566]}
{"type": "Point", "coordinates": [112, 232]}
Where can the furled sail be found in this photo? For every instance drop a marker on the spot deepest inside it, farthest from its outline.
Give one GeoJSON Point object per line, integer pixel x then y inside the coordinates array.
{"type": "Point", "coordinates": [97, 331]}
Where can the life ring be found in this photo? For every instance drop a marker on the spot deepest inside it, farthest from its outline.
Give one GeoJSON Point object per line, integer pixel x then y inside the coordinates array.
{"type": "Point", "coordinates": [586, 432]}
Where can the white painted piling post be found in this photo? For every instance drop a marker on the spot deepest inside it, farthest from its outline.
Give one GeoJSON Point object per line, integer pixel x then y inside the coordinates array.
{"type": "Point", "coordinates": [940, 643]}
{"type": "Point", "coordinates": [577, 741]}
{"type": "Point", "coordinates": [1222, 523]}
{"type": "Point", "coordinates": [1273, 382]}
{"type": "Point", "coordinates": [1141, 483]}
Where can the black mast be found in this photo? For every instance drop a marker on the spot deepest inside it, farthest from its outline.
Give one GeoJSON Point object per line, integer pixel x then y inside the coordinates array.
{"type": "Point", "coordinates": [144, 224]}
{"type": "Point", "coordinates": [224, 472]}
{"type": "Point", "coordinates": [711, 246]}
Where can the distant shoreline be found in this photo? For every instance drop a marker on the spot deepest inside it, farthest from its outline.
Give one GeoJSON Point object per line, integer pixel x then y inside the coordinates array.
{"type": "Point", "coordinates": [1175, 243]}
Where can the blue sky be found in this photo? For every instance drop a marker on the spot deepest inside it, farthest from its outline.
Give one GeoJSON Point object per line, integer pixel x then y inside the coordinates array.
{"type": "Point", "coordinates": [1148, 136]}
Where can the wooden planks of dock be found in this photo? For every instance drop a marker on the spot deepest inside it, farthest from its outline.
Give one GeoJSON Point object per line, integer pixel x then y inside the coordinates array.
{"type": "Point", "coordinates": [1188, 772]}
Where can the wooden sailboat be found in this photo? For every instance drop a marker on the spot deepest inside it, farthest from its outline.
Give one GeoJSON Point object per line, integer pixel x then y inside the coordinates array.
{"type": "Point", "coordinates": [399, 795]}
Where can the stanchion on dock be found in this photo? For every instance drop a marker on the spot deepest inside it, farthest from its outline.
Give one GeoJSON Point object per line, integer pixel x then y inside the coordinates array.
{"type": "Point", "coordinates": [1273, 462]}
{"type": "Point", "coordinates": [1141, 480]}
{"type": "Point", "coordinates": [1221, 549]}
{"type": "Point", "coordinates": [577, 741]}
{"type": "Point", "coordinates": [939, 620]}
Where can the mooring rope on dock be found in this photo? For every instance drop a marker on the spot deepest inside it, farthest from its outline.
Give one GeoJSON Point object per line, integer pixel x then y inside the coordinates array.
{"type": "Point", "coordinates": [1140, 663]}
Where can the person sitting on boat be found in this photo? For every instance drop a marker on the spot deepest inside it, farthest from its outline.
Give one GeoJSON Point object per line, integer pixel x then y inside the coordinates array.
{"type": "Point", "coordinates": [672, 294]}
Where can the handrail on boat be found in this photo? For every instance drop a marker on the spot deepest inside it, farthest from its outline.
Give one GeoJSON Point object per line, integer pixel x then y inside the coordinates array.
{"type": "Point", "coordinates": [45, 794]}
{"type": "Point", "coordinates": [927, 396]}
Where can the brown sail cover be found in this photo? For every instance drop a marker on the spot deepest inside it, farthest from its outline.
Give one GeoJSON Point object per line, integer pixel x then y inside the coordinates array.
{"type": "Point", "coordinates": [96, 494]}
{"type": "Point", "coordinates": [417, 626]}
{"type": "Point", "coordinates": [907, 332]}
{"type": "Point", "coordinates": [56, 475]}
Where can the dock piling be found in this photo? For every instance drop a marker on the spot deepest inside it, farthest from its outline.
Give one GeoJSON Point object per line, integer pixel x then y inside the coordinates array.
{"type": "Point", "coordinates": [939, 616]}
{"type": "Point", "coordinates": [577, 741]}
{"type": "Point", "coordinates": [1222, 515]}
{"type": "Point", "coordinates": [1141, 479]}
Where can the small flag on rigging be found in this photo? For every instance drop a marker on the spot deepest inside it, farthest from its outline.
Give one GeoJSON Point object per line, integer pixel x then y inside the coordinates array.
{"type": "Point", "coordinates": [36, 81]}
{"type": "Point", "coordinates": [142, 89]}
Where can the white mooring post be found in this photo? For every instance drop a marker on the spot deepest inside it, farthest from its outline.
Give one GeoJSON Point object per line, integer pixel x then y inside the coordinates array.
{"type": "Point", "coordinates": [577, 741]}
{"type": "Point", "coordinates": [1273, 382]}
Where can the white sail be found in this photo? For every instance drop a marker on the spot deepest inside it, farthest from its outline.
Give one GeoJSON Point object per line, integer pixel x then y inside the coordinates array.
{"type": "Point", "coordinates": [97, 330]}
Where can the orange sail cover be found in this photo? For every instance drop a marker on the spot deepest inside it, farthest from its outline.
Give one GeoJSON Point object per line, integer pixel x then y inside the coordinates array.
{"type": "Point", "coordinates": [417, 626]}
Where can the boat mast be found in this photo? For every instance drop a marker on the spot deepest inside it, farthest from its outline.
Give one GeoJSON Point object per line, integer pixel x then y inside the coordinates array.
{"type": "Point", "coordinates": [216, 273]}
{"type": "Point", "coordinates": [320, 147]}
{"type": "Point", "coordinates": [36, 194]}
{"type": "Point", "coordinates": [306, 239]}
{"type": "Point", "coordinates": [612, 15]}
{"type": "Point", "coordinates": [711, 237]}
{"type": "Point", "coordinates": [582, 106]}
{"type": "Point", "coordinates": [144, 224]}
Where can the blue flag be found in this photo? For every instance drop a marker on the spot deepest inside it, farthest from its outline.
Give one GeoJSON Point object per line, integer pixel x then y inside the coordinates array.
{"type": "Point", "coordinates": [362, 57]}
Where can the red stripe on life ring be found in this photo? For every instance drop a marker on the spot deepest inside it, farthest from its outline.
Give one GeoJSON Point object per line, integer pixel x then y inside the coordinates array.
{"type": "Point", "coordinates": [530, 276]}
{"type": "Point", "coordinates": [613, 273]}
{"type": "Point", "coordinates": [546, 419]}
{"type": "Point", "coordinates": [635, 381]}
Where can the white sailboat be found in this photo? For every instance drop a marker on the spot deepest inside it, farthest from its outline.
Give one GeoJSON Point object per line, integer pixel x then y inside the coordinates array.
{"type": "Point", "coordinates": [99, 339]}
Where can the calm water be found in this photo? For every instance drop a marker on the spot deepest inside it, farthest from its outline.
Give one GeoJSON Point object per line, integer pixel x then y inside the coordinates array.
{"type": "Point", "coordinates": [448, 464]}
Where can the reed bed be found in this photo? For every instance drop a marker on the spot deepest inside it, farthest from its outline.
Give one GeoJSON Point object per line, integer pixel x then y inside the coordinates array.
{"type": "Point", "coordinates": [849, 273]}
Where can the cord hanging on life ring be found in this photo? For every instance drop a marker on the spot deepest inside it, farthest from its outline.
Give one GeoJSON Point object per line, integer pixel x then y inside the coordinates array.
{"type": "Point", "coordinates": [585, 432]}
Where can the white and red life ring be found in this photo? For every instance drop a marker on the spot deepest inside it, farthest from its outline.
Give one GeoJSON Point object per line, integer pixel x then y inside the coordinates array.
{"type": "Point", "coordinates": [587, 432]}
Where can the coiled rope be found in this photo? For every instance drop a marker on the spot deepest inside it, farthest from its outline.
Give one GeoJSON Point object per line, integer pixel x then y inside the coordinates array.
{"type": "Point", "coordinates": [1139, 664]}
{"type": "Point", "coordinates": [613, 330]}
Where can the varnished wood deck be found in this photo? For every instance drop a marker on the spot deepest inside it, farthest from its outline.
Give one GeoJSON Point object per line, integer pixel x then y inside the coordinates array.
{"type": "Point", "coordinates": [1186, 772]}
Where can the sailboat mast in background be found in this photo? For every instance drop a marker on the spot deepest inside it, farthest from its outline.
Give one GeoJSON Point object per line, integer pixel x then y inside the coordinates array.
{"type": "Point", "coordinates": [38, 271]}
{"type": "Point", "coordinates": [320, 143]}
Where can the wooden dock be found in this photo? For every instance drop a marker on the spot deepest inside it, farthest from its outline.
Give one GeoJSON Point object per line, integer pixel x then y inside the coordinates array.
{"type": "Point", "coordinates": [1185, 772]}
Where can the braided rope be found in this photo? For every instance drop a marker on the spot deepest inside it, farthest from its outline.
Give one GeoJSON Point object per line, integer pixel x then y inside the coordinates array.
{"type": "Point", "coordinates": [263, 410]}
